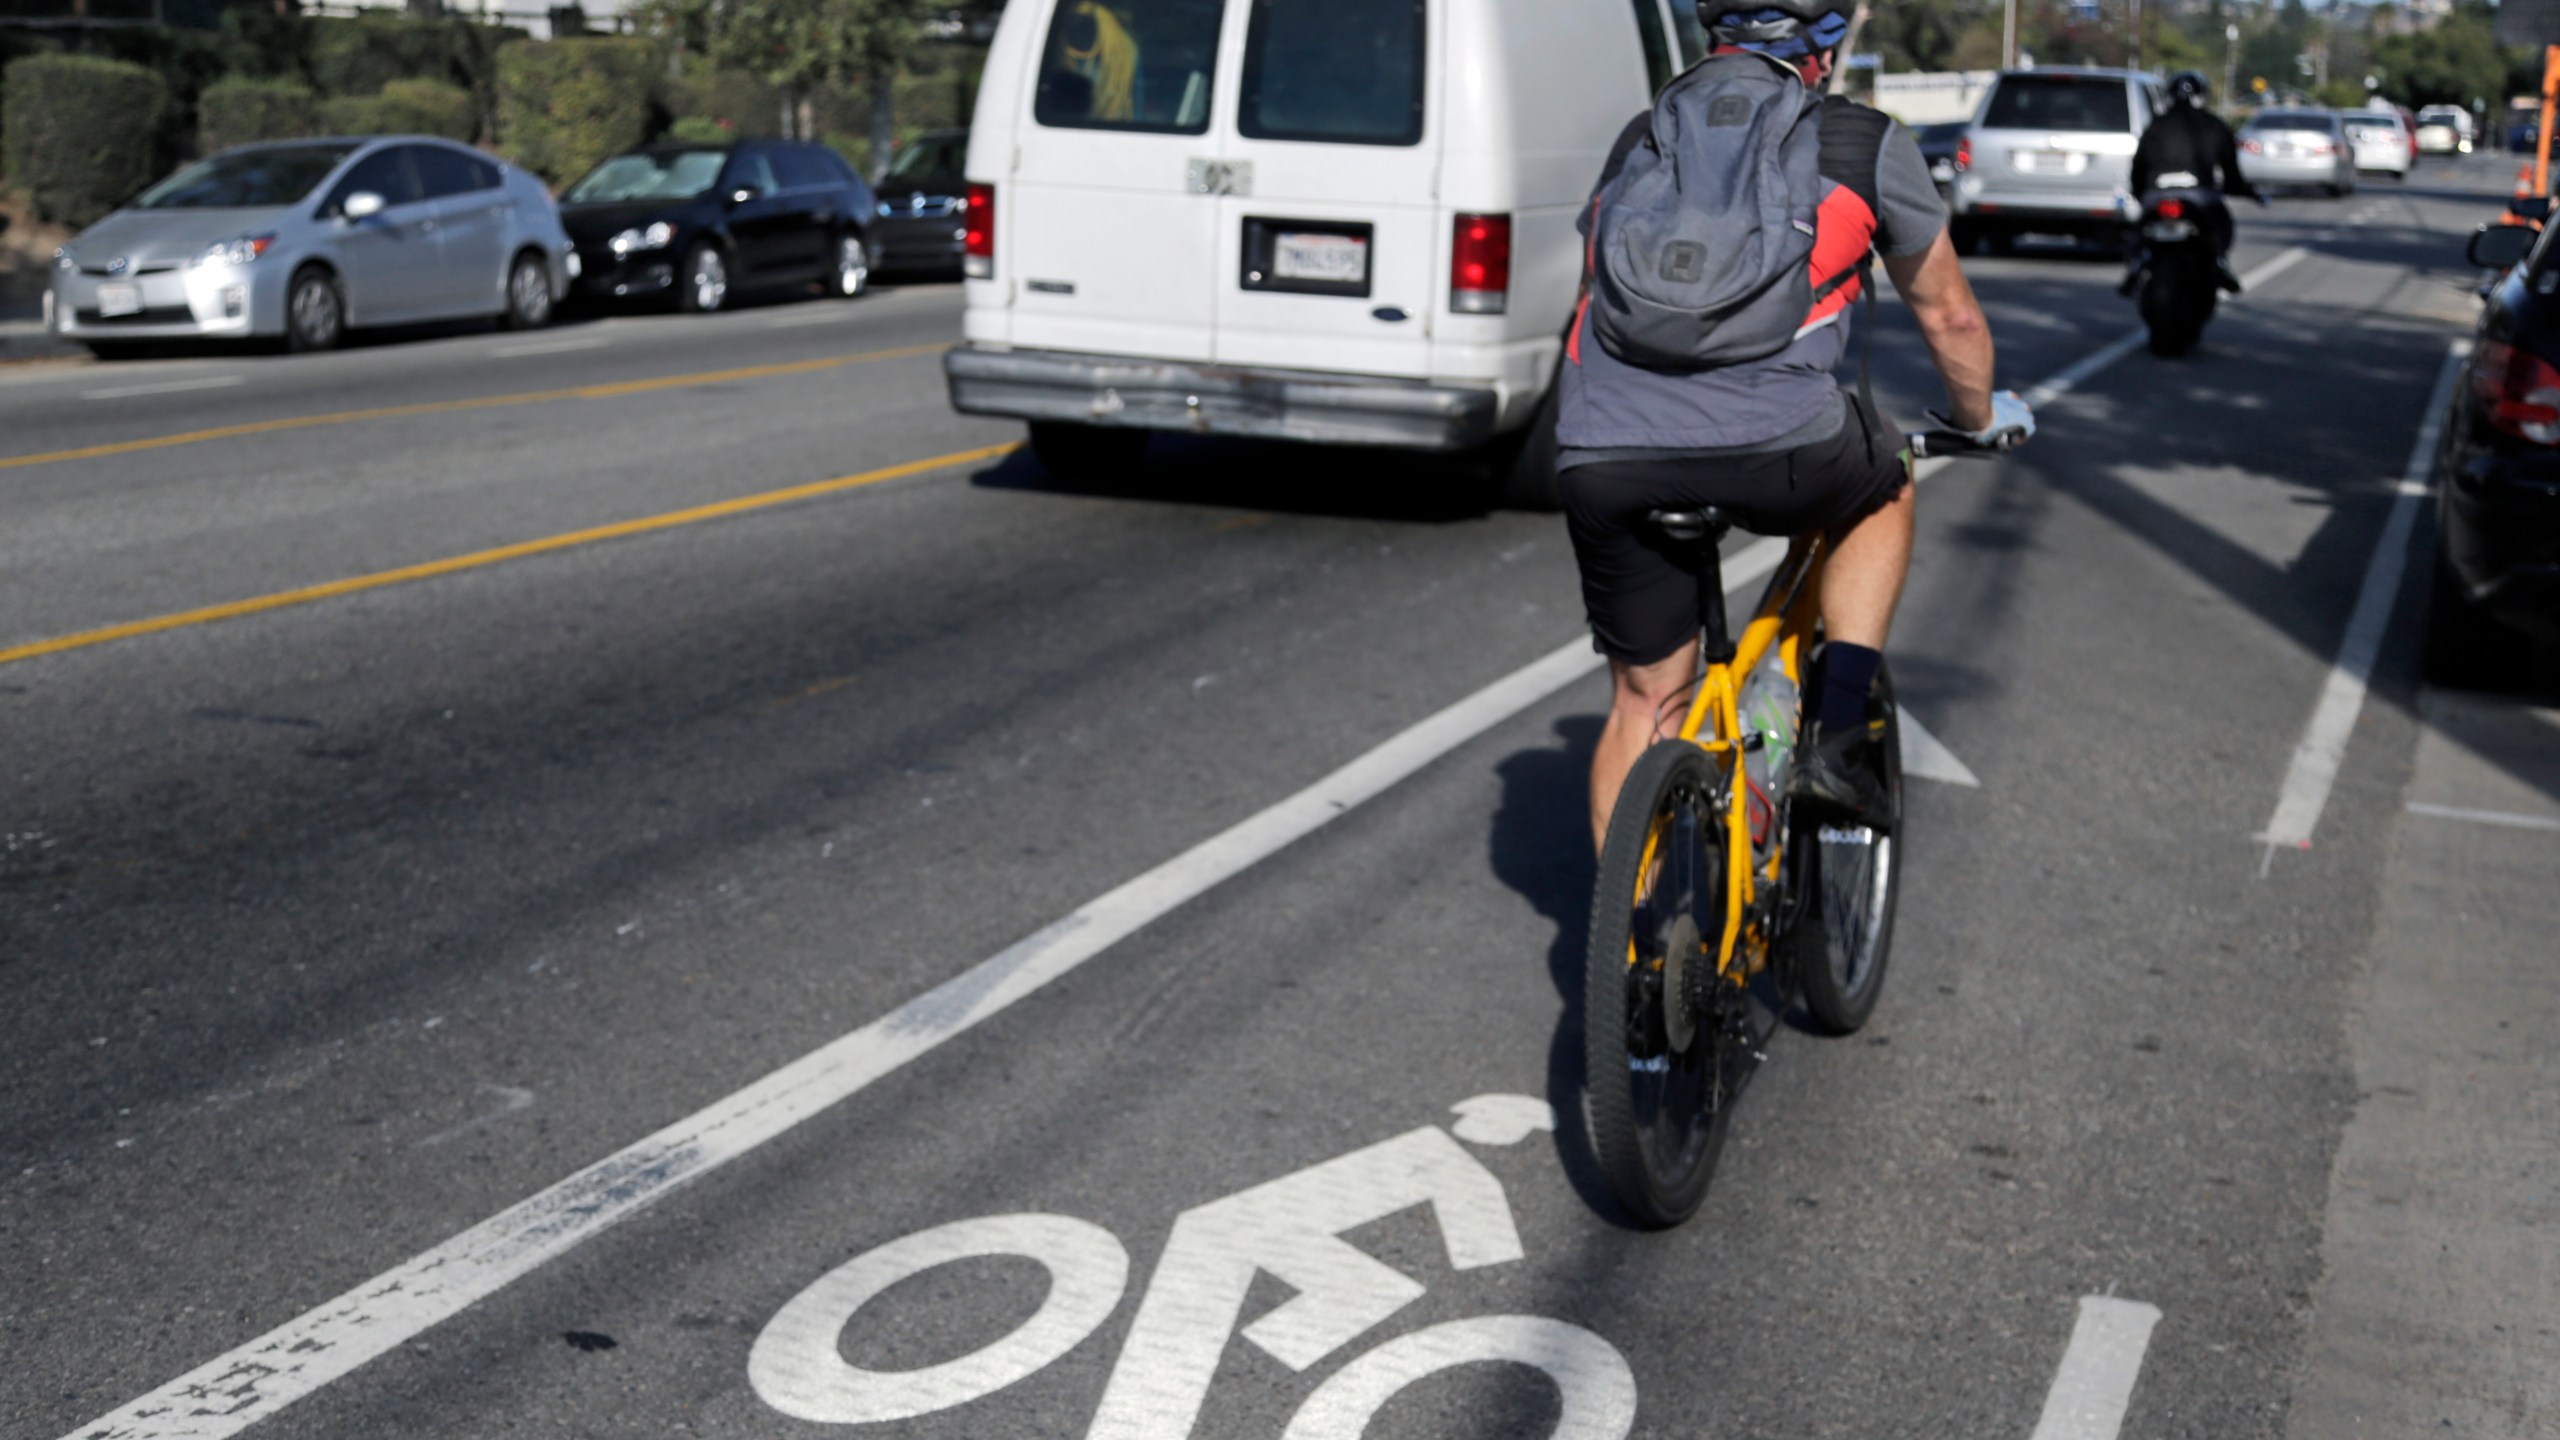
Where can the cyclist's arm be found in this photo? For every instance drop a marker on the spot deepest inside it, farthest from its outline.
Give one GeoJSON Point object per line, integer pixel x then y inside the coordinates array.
{"type": "Point", "coordinates": [1932, 283]}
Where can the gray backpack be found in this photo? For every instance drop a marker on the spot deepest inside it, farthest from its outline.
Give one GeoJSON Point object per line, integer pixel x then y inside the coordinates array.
{"type": "Point", "coordinates": [1702, 247]}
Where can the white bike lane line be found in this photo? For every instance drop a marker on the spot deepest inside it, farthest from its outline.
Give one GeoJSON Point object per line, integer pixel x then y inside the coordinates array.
{"type": "Point", "coordinates": [236, 1390]}
{"type": "Point", "coordinates": [2323, 748]}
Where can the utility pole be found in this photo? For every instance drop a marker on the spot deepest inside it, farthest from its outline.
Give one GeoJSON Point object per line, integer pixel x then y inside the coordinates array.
{"type": "Point", "coordinates": [2009, 35]}
{"type": "Point", "coordinates": [2230, 66]}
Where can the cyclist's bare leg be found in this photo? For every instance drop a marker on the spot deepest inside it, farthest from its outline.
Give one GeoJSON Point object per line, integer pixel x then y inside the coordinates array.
{"type": "Point", "coordinates": [1639, 697]}
{"type": "Point", "coordinates": [1862, 581]}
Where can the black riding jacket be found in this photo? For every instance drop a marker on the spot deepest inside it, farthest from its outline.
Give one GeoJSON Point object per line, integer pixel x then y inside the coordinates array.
{"type": "Point", "coordinates": [2194, 140]}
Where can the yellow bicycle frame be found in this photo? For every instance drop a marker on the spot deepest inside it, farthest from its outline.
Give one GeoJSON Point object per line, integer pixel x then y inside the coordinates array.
{"type": "Point", "coordinates": [1785, 620]}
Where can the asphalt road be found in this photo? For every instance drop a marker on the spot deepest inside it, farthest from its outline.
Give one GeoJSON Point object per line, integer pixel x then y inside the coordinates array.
{"type": "Point", "coordinates": [332, 931]}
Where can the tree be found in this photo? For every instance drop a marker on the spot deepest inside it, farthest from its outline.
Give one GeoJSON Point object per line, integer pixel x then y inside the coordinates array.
{"type": "Point", "coordinates": [2455, 62]}
{"type": "Point", "coordinates": [799, 46]}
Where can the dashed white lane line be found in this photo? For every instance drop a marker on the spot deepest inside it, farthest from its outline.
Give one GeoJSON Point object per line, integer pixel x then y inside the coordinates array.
{"type": "Point", "coordinates": [549, 347]}
{"type": "Point", "coordinates": [2314, 770]}
{"type": "Point", "coordinates": [237, 1390]}
{"type": "Point", "coordinates": [2507, 819]}
{"type": "Point", "coordinates": [2095, 1385]}
{"type": "Point", "coordinates": [821, 314]}
{"type": "Point", "coordinates": [165, 387]}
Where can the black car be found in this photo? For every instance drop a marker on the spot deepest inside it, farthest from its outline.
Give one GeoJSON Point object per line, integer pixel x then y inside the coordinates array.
{"type": "Point", "coordinates": [707, 222]}
{"type": "Point", "coordinates": [1939, 144]}
{"type": "Point", "coordinates": [2498, 476]}
{"type": "Point", "coordinates": [923, 206]}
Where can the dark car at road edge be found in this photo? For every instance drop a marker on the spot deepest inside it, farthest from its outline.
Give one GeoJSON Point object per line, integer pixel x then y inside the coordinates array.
{"type": "Point", "coordinates": [2498, 471]}
{"type": "Point", "coordinates": [705, 223]}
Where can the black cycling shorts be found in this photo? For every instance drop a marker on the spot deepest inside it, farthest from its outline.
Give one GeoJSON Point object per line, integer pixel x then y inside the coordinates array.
{"type": "Point", "coordinates": [1642, 600]}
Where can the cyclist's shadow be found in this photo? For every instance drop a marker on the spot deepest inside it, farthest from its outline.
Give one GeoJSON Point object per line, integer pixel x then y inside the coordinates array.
{"type": "Point", "coordinates": [1541, 847]}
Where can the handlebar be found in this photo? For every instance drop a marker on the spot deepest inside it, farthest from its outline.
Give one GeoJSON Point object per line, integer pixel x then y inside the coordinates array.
{"type": "Point", "coordinates": [2011, 423]}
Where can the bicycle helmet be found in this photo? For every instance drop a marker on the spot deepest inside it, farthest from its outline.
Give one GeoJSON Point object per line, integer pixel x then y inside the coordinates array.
{"type": "Point", "coordinates": [1784, 29]}
{"type": "Point", "coordinates": [2189, 88]}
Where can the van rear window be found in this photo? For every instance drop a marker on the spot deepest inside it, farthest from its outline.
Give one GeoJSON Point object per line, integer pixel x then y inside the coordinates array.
{"type": "Point", "coordinates": [2059, 102]}
{"type": "Point", "coordinates": [1129, 65]}
{"type": "Point", "coordinates": [1345, 71]}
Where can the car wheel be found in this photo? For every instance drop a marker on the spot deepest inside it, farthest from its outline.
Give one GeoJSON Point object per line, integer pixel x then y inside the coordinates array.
{"type": "Point", "coordinates": [853, 266]}
{"type": "Point", "coordinates": [315, 311]}
{"type": "Point", "coordinates": [703, 285]}
{"type": "Point", "coordinates": [2465, 645]}
{"type": "Point", "coordinates": [528, 294]}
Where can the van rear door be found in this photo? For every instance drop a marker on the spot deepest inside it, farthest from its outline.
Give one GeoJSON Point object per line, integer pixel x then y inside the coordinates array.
{"type": "Point", "coordinates": [1110, 243]}
{"type": "Point", "coordinates": [1330, 255]}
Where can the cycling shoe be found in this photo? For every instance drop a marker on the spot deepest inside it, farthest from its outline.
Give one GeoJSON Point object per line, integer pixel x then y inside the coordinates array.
{"type": "Point", "coordinates": [1838, 779]}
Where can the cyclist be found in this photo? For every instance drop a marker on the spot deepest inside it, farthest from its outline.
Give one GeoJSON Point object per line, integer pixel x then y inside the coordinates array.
{"type": "Point", "coordinates": [2191, 148]}
{"type": "Point", "coordinates": [1772, 441]}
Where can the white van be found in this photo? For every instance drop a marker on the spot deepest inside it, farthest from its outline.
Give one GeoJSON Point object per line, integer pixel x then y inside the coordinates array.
{"type": "Point", "coordinates": [1343, 221]}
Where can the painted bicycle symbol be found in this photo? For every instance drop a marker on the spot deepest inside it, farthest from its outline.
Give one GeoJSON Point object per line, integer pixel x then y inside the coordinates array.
{"type": "Point", "coordinates": [1290, 1228]}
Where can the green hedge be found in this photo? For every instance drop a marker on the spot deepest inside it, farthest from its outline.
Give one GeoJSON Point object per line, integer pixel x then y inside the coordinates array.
{"type": "Point", "coordinates": [740, 106]}
{"type": "Point", "coordinates": [83, 134]}
{"type": "Point", "coordinates": [563, 105]}
{"type": "Point", "coordinates": [237, 111]}
{"type": "Point", "coordinates": [405, 107]}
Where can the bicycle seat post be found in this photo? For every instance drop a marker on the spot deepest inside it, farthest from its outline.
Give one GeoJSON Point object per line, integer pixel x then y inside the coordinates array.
{"type": "Point", "coordinates": [1700, 532]}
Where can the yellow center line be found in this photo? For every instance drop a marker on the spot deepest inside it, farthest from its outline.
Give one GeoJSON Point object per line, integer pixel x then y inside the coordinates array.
{"type": "Point", "coordinates": [455, 564]}
{"type": "Point", "coordinates": [448, 407]}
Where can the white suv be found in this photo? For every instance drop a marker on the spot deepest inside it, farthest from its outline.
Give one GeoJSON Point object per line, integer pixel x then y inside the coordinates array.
{"type": "Point", "coordinates": [2051, 151]}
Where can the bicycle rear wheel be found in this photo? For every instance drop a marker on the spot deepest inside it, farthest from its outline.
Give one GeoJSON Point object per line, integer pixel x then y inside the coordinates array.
{"type": "Point", "coordinates": [1665, 1042]}
{"type": "Point", "coordinates": [1852, 877]}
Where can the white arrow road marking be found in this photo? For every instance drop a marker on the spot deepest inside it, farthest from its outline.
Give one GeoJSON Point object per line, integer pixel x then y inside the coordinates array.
{"type": "Point", "coordinates": [2095, 1384]}
{"type": "Point", "coordinates": [1924, 757]}
{"type": "Point", "coordinates": [2314, 770]}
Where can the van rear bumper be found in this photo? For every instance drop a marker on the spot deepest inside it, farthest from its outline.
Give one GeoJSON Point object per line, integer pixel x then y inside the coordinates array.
{"type": "Point", "coordinates": [1326, 409]}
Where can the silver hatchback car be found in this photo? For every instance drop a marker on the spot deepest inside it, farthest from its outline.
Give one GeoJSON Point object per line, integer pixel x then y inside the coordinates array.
{"type": "Point", "coordinates": [2298, 147]}
{"type": "Point", "coordinates": [2051, 151]}
{"type": "Point", "coordinates": [305, 239]}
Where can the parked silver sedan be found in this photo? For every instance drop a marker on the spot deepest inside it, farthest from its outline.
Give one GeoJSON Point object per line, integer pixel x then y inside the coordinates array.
{"type": "Point", "coordinates": [2298, 147]}
{"type": "Point", "coordinates": [306, 239]}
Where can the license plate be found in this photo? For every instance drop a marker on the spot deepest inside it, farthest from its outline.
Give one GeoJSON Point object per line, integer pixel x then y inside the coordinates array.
{"type": "Point", "coordinates": [1338, 259]}
{"type": "Point", "coordinates": [2048, 162]}
{"type": "Point", "coordinates": [114, 300]}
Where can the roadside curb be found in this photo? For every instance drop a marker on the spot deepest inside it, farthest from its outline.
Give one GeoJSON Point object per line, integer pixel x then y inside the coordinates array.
{"type": "Point", "coordinates": [29, 340]}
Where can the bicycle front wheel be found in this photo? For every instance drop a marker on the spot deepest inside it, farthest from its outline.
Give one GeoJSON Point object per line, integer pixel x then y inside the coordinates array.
{"type": "Point", "coordinates": [1664, 1049]}
{"type": "Point", "coordinates": [1852, 878]}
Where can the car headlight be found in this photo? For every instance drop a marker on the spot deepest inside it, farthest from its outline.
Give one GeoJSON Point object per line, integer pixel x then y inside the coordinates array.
{"type": "Point", "coordinates": [239, 250]}
{"type": "Point", "coordinates": [62, 259]}
{"type": "Point", "coordinates": [885, 210]}
{"type": "Point", "coordinates": [656, 237]}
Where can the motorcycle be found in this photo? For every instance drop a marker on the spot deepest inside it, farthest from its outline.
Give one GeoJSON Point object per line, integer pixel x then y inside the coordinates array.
{"type": "Point", "coordinates": [2175, 269]}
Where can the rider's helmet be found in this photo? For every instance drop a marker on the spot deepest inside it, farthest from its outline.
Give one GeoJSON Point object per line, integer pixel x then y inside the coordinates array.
{"type": "Point", "coordinates": [2188, 88]}
{"type": "Point", "coordinates": [1784, 29]}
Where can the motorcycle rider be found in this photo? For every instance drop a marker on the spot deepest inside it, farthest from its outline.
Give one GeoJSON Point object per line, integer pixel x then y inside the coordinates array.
{"type": "Point", "coordinates": [2191, 148]}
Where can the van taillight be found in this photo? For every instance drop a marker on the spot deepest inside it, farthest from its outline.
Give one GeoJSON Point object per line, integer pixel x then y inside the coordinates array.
{"type": "Point", "coordinates": [978, 232]}
{"type": "Point", "coordinates": [1480, 265]}
{"type": "Point", "coordinates": [1964, 152]}
{"type": "Point", "coordinates": [2519, 392]}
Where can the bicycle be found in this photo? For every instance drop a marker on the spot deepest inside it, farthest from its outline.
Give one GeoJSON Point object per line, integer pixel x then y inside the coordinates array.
{"type": "Point", "coordinates": [1713, 911]}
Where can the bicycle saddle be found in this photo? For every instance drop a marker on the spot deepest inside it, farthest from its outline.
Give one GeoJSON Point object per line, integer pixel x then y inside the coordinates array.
{"type": "Point", "coordinates": [1702, 523]}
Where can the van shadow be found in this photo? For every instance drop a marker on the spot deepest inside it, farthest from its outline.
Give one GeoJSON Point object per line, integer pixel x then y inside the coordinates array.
{"type": "Point", "coordinates": [1539, 846]}
{"type": "Point", "coordinates": [1272, 476]}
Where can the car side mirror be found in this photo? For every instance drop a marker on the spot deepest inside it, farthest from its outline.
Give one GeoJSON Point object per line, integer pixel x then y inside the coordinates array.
{"type": "Point", "coordinates": [362, 205]}
{"type": "Point", "coordinates": [2530, 207]}
{"type": "Point", "coordinates": [2497, 247]}
{"type": "Point", "coordinates": [743, 194]}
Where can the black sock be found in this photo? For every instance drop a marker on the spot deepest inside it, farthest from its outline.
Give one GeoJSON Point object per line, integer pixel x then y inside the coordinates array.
{"type": "Point", "coordinates": [1848, 674]}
